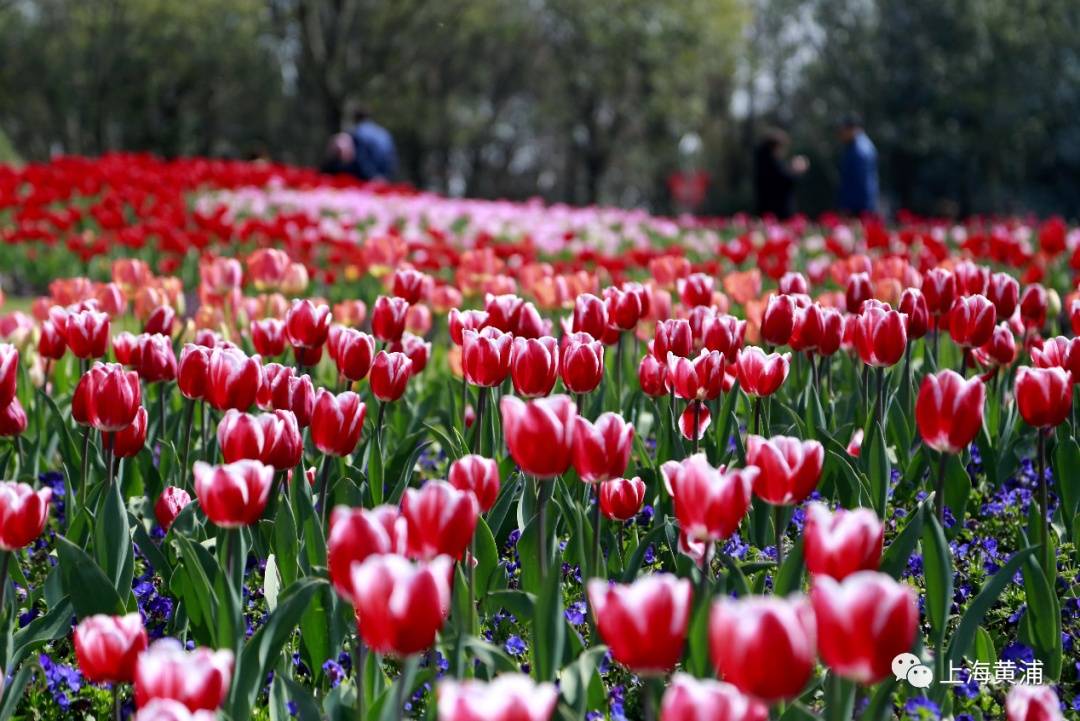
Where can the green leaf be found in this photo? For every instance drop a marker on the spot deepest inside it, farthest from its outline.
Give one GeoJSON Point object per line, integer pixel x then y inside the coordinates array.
{"type": "Point", "coordinates": [575, 678]}
{"type": "Point", "coordinates": [957, 490]}
{"type": "Point", "coordinates": [13, 692]}
{"type": "Point", "coordinates": [937, 562]}
{"type": "Point", "coordinates": [148, 548]}
{"type": "Point", "coordinates": [1044, 618]}
{"type": "Point", "coordinates": [497, 660]}
{"type": "Point", "coordinates": [1067, 475]}
{"type": "Point", "coordinates": [85, 583]}
{"type": "Point", "coordinates": [285, 544]}
{"type": "Point", "coordinates": [655, 534]}
{"type": "Point", "coordinates": [789, 577]}
{"type": "Point", "coordinates": [984, 647]}
{"type": "Point", "coordinates": [968, 628]}
{"type": "Point", "coordinates": [519, 603]}
{"type": "Point", "coordinates": [488, 570]}
{"type": "Point", "coordinates": [264, 649]}
{"type": "Point", "coordinates": [112, 540]}
{"type": "Point", "coordinates": [549, 629]}
{"type": "Point", "coordinates": [896, 556]}
{"type": "Point", "coordinates": [53, 625]}
{"type": "Point", "coordinates": [878, 468]}
{"type": "Point", "coordinates": [407, 471]}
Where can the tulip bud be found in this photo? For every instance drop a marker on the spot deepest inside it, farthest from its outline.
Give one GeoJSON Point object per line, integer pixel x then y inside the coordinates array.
{"type": "Point", "coordinates": [644, 623]}
{"type": "Point", "coordinates": [106, 647]}
{"type": "Point", "coordinates": [307, 324]}
{"type": "Point", "coordinates": [234, 494]}
{"type": "Point", "coordinates": [1044, 396]}
{"type": "Point", "coordinates": [355, 534]}
{"type": "Point", "coordinates": [486, 356]}
{"type": "Point", "coordinates": [673, 336]}
{"type": "Point", "coordinates": [857, 292]}
{"type": "Point", "coordinates": [127, 442]}
{"type": "Point", "coordinates": [400, 606]}
{"type": "Point", "coordinates": [23, 512]}
{"type": "Point", "coordinates": [478, 475]}
{"type": "Point", "coordinates": [971, 321]}
{"type": "Point", "coordinates": [581, 362]}
{"type": "Point", "coordinates": [388, 318]}
{"type": "Point", "coordinates": [789, 468]}
{"type": "Point", "coordinates": [841, 543]}
{"type": "Point", "coordinates": [440, 520]}
{"type": "Point", "coordinates": [621, 498]}
{"type": "Point", "coordinates": [540, 433]}
{"type": "Point", "coordinates": [268, 337]}
{"type": "Point", "coordinates": [199, 680]}
{"type": "Point", "coordinates": [709, 503]}
{"type": "Point", "coordinates": [534, 365]}
{"type": "Point", "coordinates": [691, 699]}
{"type": "Point", "coordinates": [508, 697]}
{"type": "Point", "coordinates": [602, 450]}
{"type": "Point", "coordinates": [652, 376]}
{"type": "Point", "coordinates": [168, 506]}
{"type": "Point", "coordinates": [949, 410]}
{"type": "Point", "coordinates": [354, 353]}
{"type": "Point", "coordinates": [760, 374]}
{"type": "Point", "coordinates": [336, 422]}
{"type": "Point", "coordinates": [390, 373]}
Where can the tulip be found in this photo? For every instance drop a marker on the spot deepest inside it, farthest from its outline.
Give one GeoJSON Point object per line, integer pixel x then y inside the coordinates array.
{"type": "Point", "coordinates": [1004, 292]}
{"type": "Point", "coordinates": [235, 494]}
{"type": "Point", "coordinates": [106, 647]}
{"type": "Point", "coordinates": [51, 345]}
{"type": "Point", "coordinates": [540, 433]}
{"type": "Point", "coordinates": [283, 446]}
{"type": "Point", "coordinates": [971, 279]}
{"type": "Point", "coordinates": [308, 357]}
{"type": "Point", "coordinates": [478, 475]}
{"type": "Point", "coordinates": [857, 292]}
{"type": "Point", "coordinates": [199, 679]}
{"type": "Point", "coordinates": [192, 370]}
{"type": "Point", "coordinates": [1043, 396]}
{"type": "Point", "coordinates": [400, 605]}
{"type": "Point", "coordinates": [652, 376]}
{"type": "Point", "coordinates": [590, 315]}
{"type": "Point", "coordinates": [709, 503]}
{"type": "Point", "coordinates": [388, 318]}
{"type": "Point", "coordinates": [290, 392]}
{"type": "Point", "coordinates": [160, 321]}
{"type": "Point", "coordinates": [336, 422]}
{"type": "Point", "coordinates": [416, 349]}
{"type": "Point", "coordinates": [1033, 306]}
{"type": "Point", "coordinates": [913, 305]}
{"type": "Point", "coordinates": [508, 697]}
{"type": "Point", "coordinates": [778, 319]}
{"type": "Point", "coordinates": [581, 362]}
{"type": "Point", "coordinates": [412, 285]}
{"type": "Point", "coordinates": [163, 709]}
{"type": "Point", "coordinates": [111, 396]}
{"type": "Point", "coordinates": [503, 311]}
{"type": "Point", "coordinates": [268, 336]}
{"type": "Point", "coordinates": [357, 533]}
{"type": "Point", "coordinates": [694, 421]}
{"type": "Point", "coordinates": [390, 373]}
{"type": "Point", "coordinates": [971, 321]}
{"type": "Point", "coordinates": [354, 354]}
{"type": "Point", "coordinates": [691, 699]}
{"type": "Point", "coordinates": [232, 379]}
{"type": "Point", "coordinates": [534, 365]}
{"type": "Point", "coordinates": [807, 329]}
{"type": "Point", "coordinates": [486, 356]}
{"type": "Point", "coordinates": [700, 379]}
{"type": "Point", "coordinates": [307, 324]}
{"type": "Point", "coordinates": [1033, 703]}
{"type": "Point", "coordinates": [949, 410]}
{"type": "Point", "coordinates": [621, 498]}
{"type": "Point", "coordinates": [240, 437]}
{"type": "Point", "coordinates": [13, 420]}
{"type": "Point", "coordinates": [267, 267]}
{"type": "Point", "coordinates": [880, 335]}
{"type": "Point", "coordinates": [168, 506]}
{"type": "Point", "coordinates": [1001, 348]}
{"type": "Point", "coordinates": [793, 283]}
{"type": "Point", "coordinates": [939, 287]}
{"type": "Point", "coordinates": [695, 289]}
{"type": "Point", "coordinates": [644, 623]}
{"type": "Point", "coordinates": [460, 321]}
{"type": "Point", "coordinates": [673, 336]}
{"type": "Point", "coordinates": [440, 520]}
{"type": "Point", "coordinates": [789, 468]}
{"type": "Point", "coordinates": [863, 622]}
{"type": "Point", "coordinates": [23, 512]}
{"type": "Point", "coordinates": [9, 373]}
{"type": "Point", "coordinates": [832, 332]}
{"type": "Point", "coordinates": [624, 307]}
{"type": "Point", "coordinates": [748, 636]}
{"type": "Point", "coordinates": [87, 333]}
{"type": "Point", "coordinates": [602, 449]}
{"type": "Point", "coordinates": [841, 543]}
{"type": "Point", "coordinates": [127, 442]}
{"type": "Point", "coordinates": [724, 334]}
{"type": "Point", "coordinates": [153, 358]}
{"type": "Point", "coordinates": [760, 374]}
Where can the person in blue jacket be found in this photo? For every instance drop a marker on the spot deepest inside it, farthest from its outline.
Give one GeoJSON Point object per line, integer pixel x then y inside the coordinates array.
{"type": "Point", "coordinates": [376, 156]}
{"type": "Point", "coordinates": [858, 169]}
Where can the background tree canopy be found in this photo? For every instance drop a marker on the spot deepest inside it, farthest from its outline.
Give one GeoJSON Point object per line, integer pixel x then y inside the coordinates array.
{"type": "Point", "coordinates": [972, 103]}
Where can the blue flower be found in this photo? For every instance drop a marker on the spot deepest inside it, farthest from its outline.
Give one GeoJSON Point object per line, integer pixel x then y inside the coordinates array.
{"type": "Point", "coordinates": [922, 708]}
{"type": "Point", "coordinates": [515, 646]}
{"type": "Point", "coordinates": [575, 613]}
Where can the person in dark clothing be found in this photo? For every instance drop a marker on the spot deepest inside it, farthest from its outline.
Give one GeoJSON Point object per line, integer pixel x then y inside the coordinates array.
{"type": "Point", "coordinates": [858, 169]}
{"type": "Point", "coordinates": [775, 177]}
{"type": "Point", "coordinates": [376, 155]}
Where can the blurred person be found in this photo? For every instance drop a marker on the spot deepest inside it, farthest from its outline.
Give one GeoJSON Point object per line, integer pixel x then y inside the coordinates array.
{"type": "Point", "coordinates": [340, 156]}
{"type": "Point", "coordinates": [376, 155]}
{"type": "Point", "coordinates": [774, 176]}
{"type": "Point", "coordinates": [858, 169]}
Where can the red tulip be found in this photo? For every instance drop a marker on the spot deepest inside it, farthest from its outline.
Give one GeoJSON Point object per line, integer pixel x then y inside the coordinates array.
{"type": "Point", "coordinates": [691, 699]}
{"type": "Point", "coordinates": [289, 392]}
{"type": "Point", "coordinates": [621, 498]}
{"type": "Point", "coordinates": [709, 503]}
{"type": "Point", "coordinates": [127, 442]}
{"type": "Point", "coordinates": [355, 534]}
{"type": "Point", "coordinates": [440, 520]}
{"type": "Point", "coordinates": [673, 336]}
{"type": "Point", "coordinates": [192, 370]}
{"type": "Point", "coordinates": [307, 324]}
{"type": "Point", "coordinates": [235, 494]}
{"type": "Point", "coordinates": [644, 623]}
{"type": "Point", "coordinates": [412, 285]}
{"type": "Point", "coordinates": [790, 468]}
{"type": "Point", "coordinates": [971, 279]}
{"type": "Point", "coordinates": [267, 267]}
{"type": "Point", "coordinates": [1001, 348]}
{"type": "Point", "coordinates": [748, 636]}
{"type": "Point", "coordinates": [503, 311]}
{"type": "Point", "coordinates": [701, 379]}
{"type": "Point", "coordinates": [841, 543]}
{"type": "Point", "coordinates": [87, 333]}
{"type": "Point", "coordinates": [939, 287]}
{"type": "Point", "coordinates": [695, 289]}
{"type": "Point", "coordinates": [694, 421]}
{"type": "Point", "coordinates": [652, 375]}
{"type": "Point", "coordinates": [460, 321]}
{"type": "Point", "coordinates": [283, 446]}
{"type": "Point", "coordinates": [388, 318]}
{"type": "Point", "coordinates": [1043, 395]}
{"type": "Point", "coordinates": [760, 374]}
{"type": "Point", "coordinates": [163, 709]}
{"type": "Point", "coordinates": [590, 315]}
{"type": "Point", "coordinates": [534, 365]}
{"type": "Point", "coordinates": [268, 336]}
{"type": "Point", "coordinates": [336, 422]}
{"type": "Point", "coordinates": [478, 475]}
{"type": "Point", "coordinates": [581, 362]}
{"type": "Point", "coordinates": [161, 321]}
{"type": "Point", "coordinates": [832, 331]}
{"type": "Point", "coordinates": [168, 506]}
{"type": "Point", "coordinates": [971, 321]}
{"type": "Point", "coordinates": [913, 305]}
{"type": "Point", "coordinates": [540, 433]}
{"type": "Point", "coordinates": [863, 622]}
{"type": "Point", "coordinates": [949, 410]}
{"type": "Point", "coordinates": [415, 348]}
{"type": "Point", "coordinates": [23, 512]}
{"type": "Point", "coordinates": [199, 680]}
{"type": "Point", "coordinates": [807, 329]}
{"type": "Point", "coordinates": [1033, 306]}
{"type": "Point", "coordinates": [13, 419]}
{"type": "Point", "coordinates": [1004, 292]}
{"type": "Point", "coordinates": [51, 345]}
{"type": "Point", "coordinates": [153, 358]}
{"type": "Point", "coordinates": [1033, 703]}
{"type": "Point", "coordinates": [9, 373]}
{"type": "Point", "coordinates": [880, 335]}
{"type": "Point", "coordinates": [724, 334]}
{"type": "Point", "coordinates": [400, 605]}
{"type": "Point", "coordinates": [486, 356]}
{"type": "Point", "coordinates": [857, 292]}
{"type": "Point", "coordinates": [530, 324]}
{"type": "Point", "coordinates": [354, 353]}
{"type": "Point", "coordinates": [778, 320]}
{"type": "Point", "coordinates": [623, 307]}
{"type": "Point", "coordinates": [232, 379]}
{"type": "Point", "coordinates": [602, 449]}
{"type": "Point", "coordinates": [106, 647]}
{"type": "Point", "coordinates": [240, 437]}
{"type": "Point", "coordinates": [508, 697]}
{"type": "Point", "coordinates": [111, 396]}
{"type": "Point", "coordinates": [390, 373]}
{"type": "Point", "coordinates": [793, 283]}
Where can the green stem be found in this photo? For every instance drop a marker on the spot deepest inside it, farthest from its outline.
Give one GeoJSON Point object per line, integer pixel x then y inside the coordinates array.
{"type": "Point", "coordinates": [359, 664]}
{"type": "Point", "coordinates": [597, 554]}
{"type": "Point", "coordinates": [1044, 503]}
{"type": "Point", "coordinates": [5, 562]}
{"type": "Point", "coordinates": [939, 491]}
{"type": "Point", "coordinates": [543, 495]}
{"type": "Point", "coordinates": [85, 462]}
{"type": "Point", "coordinates": [481, 402]}
{"type": "Point", "coordinates": [778, 521]}
{"type": "Point", "coordinates": [189, 418]}
{"type": "Point", "coordinates": [697, 424]}
{"type": "Point", "coordinates": [324, 484]}
{"type": "Point", "coordinates": [116, 701]}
